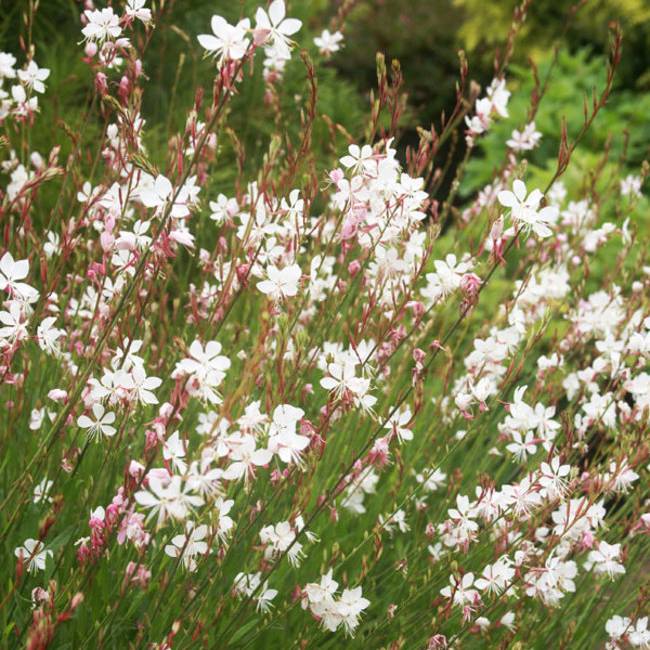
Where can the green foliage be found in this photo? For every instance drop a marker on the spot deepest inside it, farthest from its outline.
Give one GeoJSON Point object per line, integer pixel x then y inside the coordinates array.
{"type": "Point", "coordinates": [624, 120]}
{"type": "Point", "coordinates": [548, 21]}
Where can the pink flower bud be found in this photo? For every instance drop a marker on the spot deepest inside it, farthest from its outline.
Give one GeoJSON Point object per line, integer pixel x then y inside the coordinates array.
{"type": "Point", "coordinates": [58, 395]}
{"type": "Point", "coordinates": [242, 272]}
{"type": "Point", "coordinates": [354, 267]}
{"type": "Point", "coordinates": [419, 356]}
{"type": "Point", "coordinates": [470, 284]}
{"type": "Point", "coordinates": [124, 88]}
{"type": "Point", "coordinates": [101, 83]}
{"type": "Point", "coordinates": [151, 439]}
{"type": "Point", "coordinates": [135, 469]}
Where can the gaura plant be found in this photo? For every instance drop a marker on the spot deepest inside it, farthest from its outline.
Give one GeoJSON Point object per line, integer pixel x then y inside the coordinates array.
{"type": "Point", "coordinates": [328, 402]}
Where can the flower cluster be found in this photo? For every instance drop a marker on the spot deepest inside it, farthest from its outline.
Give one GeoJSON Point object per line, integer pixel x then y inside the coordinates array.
{"type": "Point", "coordinates": [332, 612]}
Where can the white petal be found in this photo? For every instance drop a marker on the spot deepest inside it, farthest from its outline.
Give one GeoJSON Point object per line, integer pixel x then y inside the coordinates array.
{"type": "Point", "coordinates": [219, 25]}
{"type": "Point", "coordinates": [519, 188]}
{"type": "Point", "coordinates": [210, 43]}
{"type": "Point", "coordinates": [277, 12]}
{"type": "Point", "coordinates": [84, 422]}
{"type": "Point", "coordinates": [262, 19]}
{"type": "Point", "coordinates": [290, 26]}
{"type": "Point", "coordinates": [506, 198]}
{"type": "Point", "coordinates": [20, 270]}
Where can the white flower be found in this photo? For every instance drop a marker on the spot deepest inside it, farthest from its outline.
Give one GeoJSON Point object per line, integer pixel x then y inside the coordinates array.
{"type": "Point", "coordinates": [398, 424]}
{"type": "Point", "coordinates": [33, 77]}
{"type": "Point", "coordinates": [42, 491]}
{"type": "Point", "coordinates": [499, 96]}
{"type": "Point", "coordinates": [223, 208]}
{"type": "Point", "coordinates": [7, 63]}
{"type": "Point", "coordinates": [11, 272]}
{"type": "Point", "coordinates": [159, 193]}
{"type": "Point", "coordinates": [431, 479]}
{"type": "Point", "coordinates": [265, 597]}
{"type": "Point", "coordinates": [280, 538]}
{"type": "Point", "coordinates": [143, 385]}
{"type": "Point", "coordinates": [508, 620]}
{"type": "Point", "coordinates": [522, 447]}
{"type": "Point", "coordinates": [136, 9]}
{"type": "Point", "coordinates": [229, 41]}
{"type": "Point", "coordinates": [623, 476]}
{"type": "Point", "coordinates": [480, 122]}
{"type": "Point", "coordinates": [496, 577]}
{"type": "Point", "coordinates": [617, 626]}
{"type": "Point", "coordinates": [525, 209]}
{"type": "Point", "coordinates": [48, 336]}
{"type": "Point", "coordinates": [245, 458]}
{"type": "Point", "coordinates": [343, 383]}
{"type": "Point", "coordinates": [189, 545]}
{"type": "Point", "coordinates": [350, 605]}
{"type": "Point", "coordinates": [167, 498]}
{"type": "Point", "coordinates": [631, 185]}
{"type": "Point", "coordinates": [460, 589]}
{"type": "Point", "coordinates": [639, 634]}
{"type": "Point", "coordinates": [87, 194]}
{"type": "Point", "coordinates": [553, 477]}
{"type": "Point", "coordinates": [246, 584]}
{"type": "Point", "coordinates": [328, 43]}
{"type": "Point", "coordinates": [52, 245]}
{"type": "Point", "coordinates": [526, 139]}
{"type": "Point", "coordinates": [225, 523]}
{"type": "Point", "coordinates": [206, 367]}
{"type": "Point", "coordinates": [283, 439]}
{"type": "Point", "coordinates": [24, 107]}
{"type": "Point", "coordinates": [253, 419]}
{"type": "Point", "coordinates": [550, 582]}
{"type": "Point", "coordinates": [281, 283]}
{"type": "Point", "coordinates": [356, 491]}
{"type": "Point", "coordinates": [34, 552]}
{"type": "Point", "coordinates": [396, 520]}
{"type": "Point", "coordinates": [605, 560]}
{"type": "Point", "coordinates": [359, 158]}
{"type": "Point", "coordinates": [101, 425]}
{"type": "Point", "coordinates": [446, 279]}
{"type": "Point", "coordinates": [102, 24]}
{"type": "Point", "coordinates": [36, 418]}
{"type": "Point", "coordinates": [323, 591]}
{"type": "Point", "coordinates": [174, 451]}
{"type": "Point", "coordinates": [15, 324]}
{"type": "Point", "coordinates": [278, 27]}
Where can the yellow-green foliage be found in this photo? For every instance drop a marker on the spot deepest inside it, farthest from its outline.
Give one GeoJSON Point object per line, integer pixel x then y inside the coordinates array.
{"type": "Point", "coordinates": [540, 29]}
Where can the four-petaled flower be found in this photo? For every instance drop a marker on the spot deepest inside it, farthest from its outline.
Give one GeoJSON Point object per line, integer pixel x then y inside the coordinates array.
{"type": "Point", "coordinates": [281, 283]}
{"type": "Point", "coordinates": [11, 273]}
{"type": "Point", "coordinates": [277, 27]}
{"type": "Point", "coordinates": [101, 425]}
{"type": "Point", "coordinates": [33, 552]}
{"type": "Point", "coordinates": [525, 209]}
{"type": "Point", "coordinates": [229, 42]}
{"type": "Point", "coordinates": [188, 546]}
{"type": "Point", "coordinates": [102, 24]}
{"type": "Point", "coordinates": [33, 77]}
